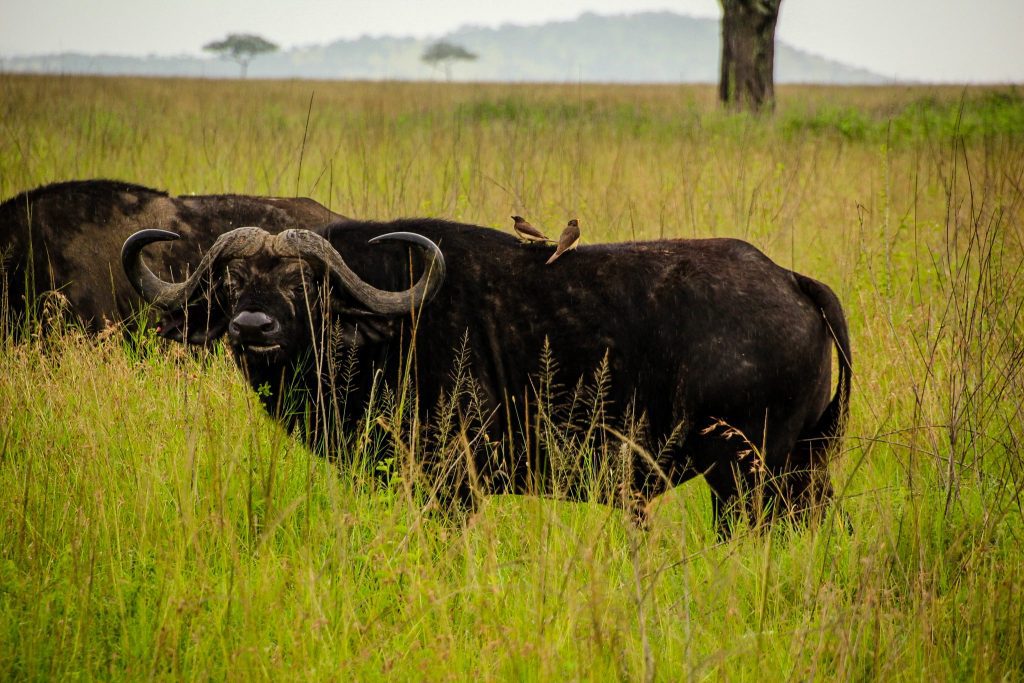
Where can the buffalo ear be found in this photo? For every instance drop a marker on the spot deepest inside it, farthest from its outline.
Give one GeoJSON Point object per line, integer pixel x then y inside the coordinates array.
{"type": "Point", "coordinates": [358, 327]}
{"type": "Point", "coordinates": [200, 323]}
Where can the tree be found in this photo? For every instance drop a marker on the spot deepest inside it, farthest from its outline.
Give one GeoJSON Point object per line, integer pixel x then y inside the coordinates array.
{"type": "Point", "coordinates": [241, 47]}
{"type": "Point", "coordinates": [748, 53]}
{"type": "Point", "coordinates": [445, 54]}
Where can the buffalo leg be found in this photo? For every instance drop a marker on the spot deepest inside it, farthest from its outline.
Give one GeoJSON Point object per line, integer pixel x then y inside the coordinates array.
{"type": "Point", "coordinates": [737, 492]}
{"type": "Point", "coordinates": [725, 499]}
{"type": "Point", "coordinates": [805, 486]}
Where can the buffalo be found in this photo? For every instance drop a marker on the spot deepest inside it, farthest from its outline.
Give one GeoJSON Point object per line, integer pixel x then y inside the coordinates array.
{"type": "Point", "coordinates": [683, 357]}
{"type": "Point", "coordinates": [66, 237]}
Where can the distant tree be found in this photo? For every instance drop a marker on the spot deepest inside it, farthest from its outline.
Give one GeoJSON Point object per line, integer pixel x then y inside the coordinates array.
{"type": "Point", "coordinates": [748, 53]}
{"type": "Point", "coordinates": [445, 54]}
{"type": "Point", "coordinates": [241, 47]}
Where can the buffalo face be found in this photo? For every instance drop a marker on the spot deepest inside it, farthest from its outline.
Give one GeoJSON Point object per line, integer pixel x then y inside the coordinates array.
{"type": "Point", "coordinates": [272, 304]}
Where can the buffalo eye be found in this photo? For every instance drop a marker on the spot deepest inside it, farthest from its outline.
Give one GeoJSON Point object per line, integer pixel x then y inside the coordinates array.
{"type": "Point", "coordinates": [295, 283]}
{"type": "Point", "coordinates": [236, 279]}
{"type": "Point", "coordinates": [298, 281]}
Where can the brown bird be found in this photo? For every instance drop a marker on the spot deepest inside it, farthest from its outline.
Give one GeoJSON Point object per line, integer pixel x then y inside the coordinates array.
{"type": "Point", "coordinates": [569, 239]}
{"type": "Point", "coordinates": [527, 232]}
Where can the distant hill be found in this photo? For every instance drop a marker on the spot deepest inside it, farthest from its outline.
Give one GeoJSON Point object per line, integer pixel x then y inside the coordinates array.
{"type": "Point", "coordinates": [649, 47]}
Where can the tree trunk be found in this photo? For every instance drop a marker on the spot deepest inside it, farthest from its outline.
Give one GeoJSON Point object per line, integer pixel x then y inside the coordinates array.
{"type": "Point", "coordinates": [748, 53]}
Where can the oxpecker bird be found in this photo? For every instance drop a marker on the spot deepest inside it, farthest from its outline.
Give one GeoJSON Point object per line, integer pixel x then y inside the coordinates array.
{"type": "Point", "coordinates": [568, 241]}
{"type": "Point", "coordinates": [527, 232]}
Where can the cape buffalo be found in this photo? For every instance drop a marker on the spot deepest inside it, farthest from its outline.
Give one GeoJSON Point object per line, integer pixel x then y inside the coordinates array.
{"type": "Point", "coordinates": [703, 356]}
{"type": "Point", "coordinates": [66, 237]}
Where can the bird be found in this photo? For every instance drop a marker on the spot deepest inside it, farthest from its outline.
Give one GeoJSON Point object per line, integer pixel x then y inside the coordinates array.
{"type": "Point", "coordinates": [527, 232]}
{"type": "Point", "coordinates": [567, 241]}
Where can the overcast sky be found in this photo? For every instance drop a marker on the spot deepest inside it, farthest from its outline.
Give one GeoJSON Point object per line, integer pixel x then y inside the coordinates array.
{"type": "Point", "coordinates": [934, 40]}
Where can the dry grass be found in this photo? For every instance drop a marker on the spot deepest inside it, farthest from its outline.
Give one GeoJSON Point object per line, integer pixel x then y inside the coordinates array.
{"type": "Point", "coordinates": [156, 523]}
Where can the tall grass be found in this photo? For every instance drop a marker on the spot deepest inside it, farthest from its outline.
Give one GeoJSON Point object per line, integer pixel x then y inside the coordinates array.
{"type": "Point", "coordinates": [155, 523]}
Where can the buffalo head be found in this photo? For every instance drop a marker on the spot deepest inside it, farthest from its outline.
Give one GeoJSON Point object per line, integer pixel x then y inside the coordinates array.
{"type": "Point", "coordinates": [271, 293]}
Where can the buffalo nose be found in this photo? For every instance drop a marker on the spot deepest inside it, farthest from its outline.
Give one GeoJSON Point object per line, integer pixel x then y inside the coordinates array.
{"type": "Point", "coordinates": [252, 325]}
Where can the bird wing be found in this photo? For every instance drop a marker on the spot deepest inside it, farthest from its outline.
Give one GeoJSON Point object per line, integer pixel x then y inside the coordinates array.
{"type": "Point", "coordinates": [527, 229]}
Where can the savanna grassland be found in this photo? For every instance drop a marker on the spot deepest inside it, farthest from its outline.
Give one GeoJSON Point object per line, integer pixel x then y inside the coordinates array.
{"type": "Point", "coordinates": [155, 523]}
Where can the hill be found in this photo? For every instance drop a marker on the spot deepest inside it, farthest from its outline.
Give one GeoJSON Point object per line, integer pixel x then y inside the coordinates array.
{"type": "Point", "coordinates": [649, 47]}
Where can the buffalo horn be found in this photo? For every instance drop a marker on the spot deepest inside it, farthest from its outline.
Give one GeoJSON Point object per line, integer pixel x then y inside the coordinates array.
{"type": "Point", "coordinates": [379, 301]}
{"type": "Point", "coordinates": [171, 295]}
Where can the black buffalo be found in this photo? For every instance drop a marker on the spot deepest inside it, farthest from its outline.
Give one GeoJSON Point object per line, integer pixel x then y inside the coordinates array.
{"type": "Point", "coordinates": [66, 237]}
{"type": "Point", "coordinates": [703, 357]}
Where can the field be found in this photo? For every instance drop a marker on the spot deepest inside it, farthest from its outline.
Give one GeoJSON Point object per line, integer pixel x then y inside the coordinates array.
{"type": "Point", "coordinates": [155, 523]}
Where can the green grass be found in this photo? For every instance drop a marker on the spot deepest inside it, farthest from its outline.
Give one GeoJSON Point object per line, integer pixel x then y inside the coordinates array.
{"type": "Point", "coordinates": [155, 523]}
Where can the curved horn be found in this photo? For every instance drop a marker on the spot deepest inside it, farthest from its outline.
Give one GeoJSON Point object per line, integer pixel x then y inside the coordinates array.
{"type": "Point", "coordinates": [379, 301]}
{"type": "Point", "coordinates": [429, 284]}
{"type": "Point", "coordinates": [148, 285]}
{"type": "Point", "coordinates": [169, 295]}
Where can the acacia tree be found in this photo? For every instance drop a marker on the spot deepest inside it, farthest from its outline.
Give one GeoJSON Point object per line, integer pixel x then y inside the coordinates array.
{"type": "Point", "coordinates": [748, 53]}
{"type": "Point", "coordinates": [445, 54]}
{"type": "Point", "coordinates": [241, 47]}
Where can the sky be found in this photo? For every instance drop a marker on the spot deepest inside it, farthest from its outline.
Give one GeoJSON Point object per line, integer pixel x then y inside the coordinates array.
{"type": "Point", "coordinates": [928, 40]}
